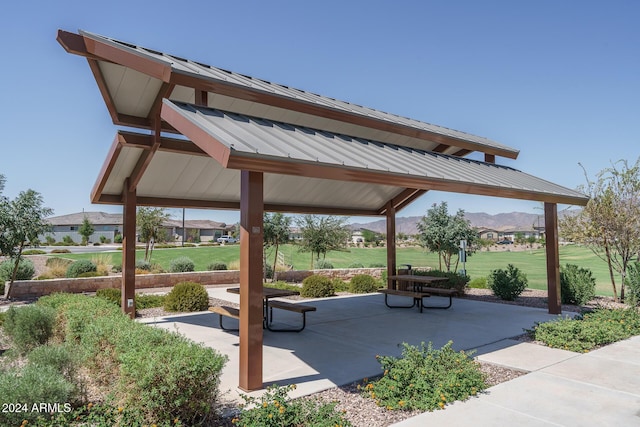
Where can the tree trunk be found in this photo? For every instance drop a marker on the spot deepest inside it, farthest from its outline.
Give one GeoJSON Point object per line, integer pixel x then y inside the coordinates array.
{"type": "Point", "coordinates": [17, 264]}
{"type": "Point", "coordinates": [275, 263]}
{"type": "Point", "coordinates": [613, 279]}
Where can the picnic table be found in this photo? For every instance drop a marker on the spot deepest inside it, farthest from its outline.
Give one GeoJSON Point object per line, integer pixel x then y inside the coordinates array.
{"type": "Point", "coordinates": [420, 287]}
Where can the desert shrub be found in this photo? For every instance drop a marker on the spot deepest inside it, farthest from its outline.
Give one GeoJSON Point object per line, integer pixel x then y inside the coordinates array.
{"type": "Point", "coordinates": [267, 271]}
{"type": "Point", "coordinates": [588, 331]}
{"type": "Point", "coordinates": [317, 286]}
{"type": "Point", "coordinates": [275, 408]}
{"type": "Point", "coordinates": [58, 262]}
{"type": "Point", "coordinates": [507, 284]}
{"type": "Point", "coordinates": [60, 357]}
{"type": "Point", "coordinates": [455, 281]}
{"type": "Point", "coordinates": [61, 251]}
{"type": "Point", "coordinates": [150, 301]}
{"type": "Point", "coordinates": [89, 274]}
{"type": "Point", "coordinates": [322, 264]}
{"type": "Point", "coordinates": [181, 264]}
{"type": "Point", "coordinates": [102, 262]}
{"type": "Point", "coordinates": [3, 315]}
{"type": "Point", "coordinates": [478, 283]}
{"type": "Point", "coordinates": [67, 240]}
{"type": "Point", "coordinates": [113, 295]}
{"type": "Point", "coordinates": [80, 266]}
{"type": "Point", "coordinates": [425, 378]}
{"type": "Point", "coordinates": [217, 265]}
{"type": "Point", "coordinates": [31, 385]}
{"type": "Point", "coordinates": [377, 265]}
{"type": "Point", "coordinates": [187, 296]}
{"type": "Point", "coordinates": [280, 284]}
{"type": "Point", "coordinates": [117, 268]}
{"type": "Point", "coordinates": [632, 281]}
{"type": "Point", "coordinates": [50, 240]}
{"type": "Point", "coordinates": [356, 265]}
{"type": "Point", "coordinates": [117, 238]}
{"type": "Point", "coordinates": [26, 270]}
{"type": "Point", "coordinates": [363, 284]}
{"type": "Point", "coordinates": [153, 374]}
{"type": "Point", "coordinates": [33, 252]}
{"type": "Point", "coordinates": [577, 285]}
{"type": "Point", "coordinates": [339, 285]}
{"type": "Point", "coordinates": [29, 326]}
{"type": "Point", "coordinates": [143, 265]}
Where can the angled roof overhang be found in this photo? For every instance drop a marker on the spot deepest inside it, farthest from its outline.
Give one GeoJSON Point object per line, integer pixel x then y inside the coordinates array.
{"type": "Point", "coordinates": [306, 170]}
{"type": "Point", "coordinates": [133, 80]}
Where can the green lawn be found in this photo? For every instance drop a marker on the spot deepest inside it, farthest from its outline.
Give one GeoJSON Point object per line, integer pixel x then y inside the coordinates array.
{"type": "Point", "coordinates": [478, 265]}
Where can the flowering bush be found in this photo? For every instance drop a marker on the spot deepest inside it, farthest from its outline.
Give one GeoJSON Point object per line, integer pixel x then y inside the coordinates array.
{"type": "Point", "coordinates": [424, 378]}
{"type": "Point", "coordinates": [275, 408]}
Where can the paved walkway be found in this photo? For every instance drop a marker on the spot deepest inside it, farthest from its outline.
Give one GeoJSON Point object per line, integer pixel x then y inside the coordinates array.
{"type": "Point", "coordinates": [345, 333]}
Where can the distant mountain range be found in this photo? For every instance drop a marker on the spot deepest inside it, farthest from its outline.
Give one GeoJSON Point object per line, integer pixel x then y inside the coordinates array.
{"type": "Point", "coordinates": [500, 222]}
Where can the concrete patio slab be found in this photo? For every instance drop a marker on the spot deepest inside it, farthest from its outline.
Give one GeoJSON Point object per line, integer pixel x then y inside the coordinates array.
{"type": "Point", "coordinates": [522, 355]}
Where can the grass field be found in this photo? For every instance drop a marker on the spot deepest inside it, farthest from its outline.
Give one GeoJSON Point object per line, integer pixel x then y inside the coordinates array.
{"type": "Point", "coordinates": [478, 265]}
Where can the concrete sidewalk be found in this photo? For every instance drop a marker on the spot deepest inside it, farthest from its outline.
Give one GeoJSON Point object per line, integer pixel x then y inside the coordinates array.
{"type": "Point", "coordinates": [600, 388]}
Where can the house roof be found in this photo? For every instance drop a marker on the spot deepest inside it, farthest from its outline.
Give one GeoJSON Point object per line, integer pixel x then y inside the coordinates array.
{"type": "Point", "coordinates": [96, 218]}
{"type": "Point", "coordinates": [132, 78]}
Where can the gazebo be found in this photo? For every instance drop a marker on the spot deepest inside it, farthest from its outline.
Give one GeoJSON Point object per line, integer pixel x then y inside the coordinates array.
{"type": "Point", "coordinates": [248, 144]}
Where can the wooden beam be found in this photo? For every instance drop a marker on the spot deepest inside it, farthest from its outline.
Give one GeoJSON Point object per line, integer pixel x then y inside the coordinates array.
{"type": "Point", "coordinates": [489, 158]}
{"type": "Point", "coordinates": [128, 302]}
{"type": "Point", "coordinates": [553, 257]}
{"type": "Point", "coordinates": [462, 153]}
{"type": "Point", "coordinates": [251, 307]}
{"type": "Point", "coordinates": [145, 159]}
{"type": "Point", "coordinates": [401, 200]}
{"type": "Point", "coordinates": [391, 241]}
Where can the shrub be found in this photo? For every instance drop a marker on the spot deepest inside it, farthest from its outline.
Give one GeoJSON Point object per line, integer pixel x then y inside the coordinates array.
{"type": "Point", "coordinates": [363, 284]}
{"type": "Point", "coordinates": [377, 265]}
{"type": "Point", "coordinates": [80, 266]}
{"type": "Point", "coordinates": [456, 281]}
{"type": "Point", "coordinates": [89, 274]}
{"type": "Point", "coordinates": [577, 285]}
{"type": "Point", "coordinates": [356, 265]}
{"type": "Point", "coordinates": [268, 271]}
{"type": "Point", "coordinates": [588, 331]}
{"type": "Point", "coordinates": [29, 326]}
{"type": "Point", "coordinates": [425, 379]}
{"type": "Point", "coordinates": [33, 252]}
{"type": "Point", "coordinates": [275, 408]}
{"type": "Point", "coordinates": [339, 285]}
{"type": "Point", "coordinates": [181, 264]}
{"type": "Point", "coordinates": [61, 251]}
{"type": "Point", "coordinates": [67, 240]}
{"type": "Point", "coordinates": [217, 265]}
{"type": "Point", "coordinates": [187, 296]}
{"type": "Point", "coordinates": [150, 301]}
{"type": "Point", "coordinates": [507, 284]}
{"type": "Point", "coordinates": [143, 265]}
{"type": "Point", "coordinates": [26, 270]}
{"type": "Point", "coordinates": [322, 264]}
{"type": "Point", "coordinates": [478, 283]}
{"type": "Point", "coordinates": [632, 282]}
{"type": "Point", "coordinates": [60, 357]}
{"type": "Point", "coordinates": [117, 238]}
{"type": "Point", "coordinates": [113, 295]}
{"type": "Point", "coordinates": [317, 286]}
{"type": "Point", "coordinates": [117, 268]}
{"type": "Point", "coordinates": [50, 240]}
{"type": "Point", "coordinates": [57, 261]}
{"type": "Point", "coordinates": [31, 385]}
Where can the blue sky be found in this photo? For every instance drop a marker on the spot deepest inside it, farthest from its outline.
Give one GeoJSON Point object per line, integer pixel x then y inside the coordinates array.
{"type": "Point", "coordinates": [560, 81]}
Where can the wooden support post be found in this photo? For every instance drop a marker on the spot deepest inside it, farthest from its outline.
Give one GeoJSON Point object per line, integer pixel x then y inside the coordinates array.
{"type": "Point", "coordinates": [391, 241]}
{"type": "Point", "coordinates": [251, 308]}
{"type": "Point", "coordinates": [489, 158]}
{"type": "Point", "coordinates": [128, 302]}
{"type": "Point", "coordinates": [553, 258]}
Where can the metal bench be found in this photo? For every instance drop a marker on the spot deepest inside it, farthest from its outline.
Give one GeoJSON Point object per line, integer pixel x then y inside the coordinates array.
{"type": "Point", "coordinates": [298, 308]}
{"type": "Point", "coordinates": [416, 296]}
{"type": "Point", "coordinates": [227, 311]}
{"type": "Point", "coordinates": [441, 292]}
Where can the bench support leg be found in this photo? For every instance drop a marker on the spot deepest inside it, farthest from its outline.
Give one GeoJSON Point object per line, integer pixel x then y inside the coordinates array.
{"type": "Point", "coordinates": [223, 328]}
{"type": "Point", "coordinates": [442, 307]}
{"type": "Point", "coordinates": [304, 323]}
{"type": "Point", "coordinates": [386, 302]}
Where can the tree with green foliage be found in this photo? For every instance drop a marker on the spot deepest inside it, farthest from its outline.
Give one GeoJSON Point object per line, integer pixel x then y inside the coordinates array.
{"type": "Point", "coordinates": [609, 224]}
{"type": "Point", "coordinates": [371, 236]}
{"type": "Point", "coordinates": [21, 221]}
{"type": "Point", "coordinates": [86, 230]}
{"type": "Point", "coordinates": [322, 234]}
{"type": "Point", "coordinates": [440, 232]}
{"type": "Point", "coordinates": [148, 221]}
{"type": "Point", "coordinates": [276, 228]}
{"type": "Point", "coordinates": [519, 238]}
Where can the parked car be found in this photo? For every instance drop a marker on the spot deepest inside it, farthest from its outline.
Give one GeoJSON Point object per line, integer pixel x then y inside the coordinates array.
{"type": "Point", "coordinates": [226, 239]}
{"type": "Point", "coordinates": [505, 242]}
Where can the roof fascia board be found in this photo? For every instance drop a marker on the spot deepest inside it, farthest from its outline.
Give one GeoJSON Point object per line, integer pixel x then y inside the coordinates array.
{"type": "Point", "coordinates": [107, 168]}
{"type": "Point", "coordinates": [207, 142]}
{"type": "Point", "coordinates": [125, 56]}
{"type": "Point", "coordinates": [312, 170]}
{"type": "Point", "coordinates": [275, 100]}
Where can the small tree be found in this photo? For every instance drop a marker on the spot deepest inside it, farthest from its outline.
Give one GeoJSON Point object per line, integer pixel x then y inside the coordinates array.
{"type": "Point", "coordinates": [86, 230]}
{"type": "Point", "coordinates": [21, 221]}
{"type": "Point", "coordinates": [442, 233]}
{"type": "Point", "coordinates": [148, 221]}
{"type": "Point", "coordinates": [276, 232]}
{"type": "Point", "coordinates": [323, 234]}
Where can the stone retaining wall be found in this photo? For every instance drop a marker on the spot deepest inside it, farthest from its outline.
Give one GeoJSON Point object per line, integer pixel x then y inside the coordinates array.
{"type": "Point", "coordinates": [37, 288]}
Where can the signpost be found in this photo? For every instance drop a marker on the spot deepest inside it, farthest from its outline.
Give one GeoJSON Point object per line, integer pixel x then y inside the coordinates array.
{"type": "Point", "coordinates": [462, 254]}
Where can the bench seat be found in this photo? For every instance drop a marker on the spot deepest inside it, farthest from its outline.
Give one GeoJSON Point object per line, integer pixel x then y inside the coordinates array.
{"type": "Point", "coordinates": [226, 311]}
{"type": "Point", "coordinates": [441, 292]}
{"type": "Point", "coordinates": [297, 308]}
{"type": "Point", "coordinates": [416, 296]}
